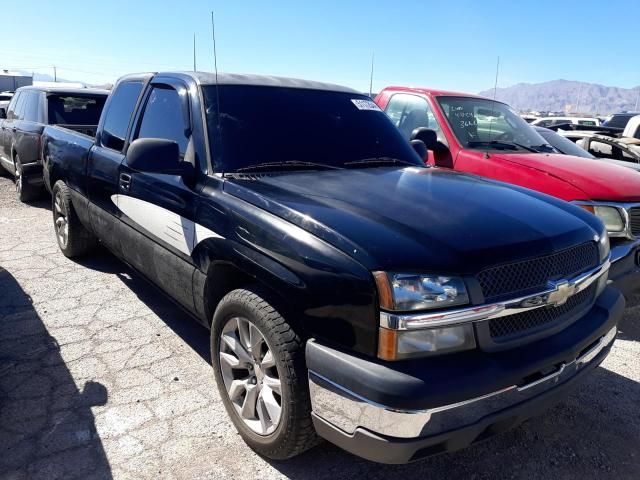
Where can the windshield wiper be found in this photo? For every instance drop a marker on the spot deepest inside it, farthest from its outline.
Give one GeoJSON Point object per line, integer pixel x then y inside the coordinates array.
{"type": "Point", "coordinates": [502, 143]}
{"type": "Point", "coordinates": [288, 165]}
{"type": "Point", "coordinates": [380, 161]}
{"type": "Point", "coordinates": [546, 148]}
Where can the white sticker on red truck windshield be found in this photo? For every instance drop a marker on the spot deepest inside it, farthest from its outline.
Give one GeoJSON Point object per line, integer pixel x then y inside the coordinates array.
{"type": "Point", "coordinates": [365, 104]}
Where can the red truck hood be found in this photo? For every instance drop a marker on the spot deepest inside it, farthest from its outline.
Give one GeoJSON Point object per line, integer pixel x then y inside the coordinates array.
{"type": "Point", "coordinates": [598, 180]}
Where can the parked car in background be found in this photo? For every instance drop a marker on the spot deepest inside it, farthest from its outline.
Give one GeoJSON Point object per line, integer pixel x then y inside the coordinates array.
{"type": "Point", "coordinates": [550, 121]}
{"type": "Point", "coordinates": [620, 120]}
{"type": "Point", "coordinates": [30, 110]}
{"type": "Point", "coordinates": [605, 146]}
{"type": "Point", "coordinates": [352, 292]}
{"type": "Point", "coordinates": [5, 98]}
{"type": "Point", "coordinates": [477, 135]}
{"type": "Point", "coordinates": [566, 146]}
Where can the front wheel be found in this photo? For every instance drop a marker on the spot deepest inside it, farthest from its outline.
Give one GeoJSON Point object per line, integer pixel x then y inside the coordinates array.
{"type": "Point", "coordinates": [73, 238]}
{"type": "Point", "coordinates": [258, 360]}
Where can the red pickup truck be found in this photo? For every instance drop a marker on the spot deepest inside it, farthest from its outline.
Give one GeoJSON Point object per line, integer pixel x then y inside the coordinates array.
{"type": "Point", "coordinates": [481, 136]}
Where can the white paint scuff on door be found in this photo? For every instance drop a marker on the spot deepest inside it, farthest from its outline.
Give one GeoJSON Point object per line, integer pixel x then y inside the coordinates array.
{"type": "Point", "coordinates": [179, 232]}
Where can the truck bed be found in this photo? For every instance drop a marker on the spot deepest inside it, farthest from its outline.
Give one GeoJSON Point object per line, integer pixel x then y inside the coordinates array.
{"type": "Point", "coordinates": [65, 155]}
{"type": "Point", "coordinates": [88, 130]}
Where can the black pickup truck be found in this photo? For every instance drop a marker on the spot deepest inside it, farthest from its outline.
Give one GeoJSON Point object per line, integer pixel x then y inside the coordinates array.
{"type": "Point", "coordinates": [352, 292]}
{"type": "Point", "coordinates": [32, 108]}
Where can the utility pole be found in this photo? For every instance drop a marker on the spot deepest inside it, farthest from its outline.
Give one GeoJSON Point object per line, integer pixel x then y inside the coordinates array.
{"type": "Point", "coordinates": [55, 74]}
{"type": "Point", "coordinates": [194, 52]}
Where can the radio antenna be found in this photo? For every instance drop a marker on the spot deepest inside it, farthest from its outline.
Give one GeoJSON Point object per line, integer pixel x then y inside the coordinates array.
{"type": "Point", "coordinates": [493, 102]}
{"type": "Point", "coordinates": [215, 67]}
{"type": "Point", "coordinates": [194, 52]}
{"type": "Point", "coordinates": [373, 54]}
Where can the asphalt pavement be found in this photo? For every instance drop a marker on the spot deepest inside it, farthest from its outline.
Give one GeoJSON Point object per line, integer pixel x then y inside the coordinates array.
{"type": "Point", "coordinates": [102, 377]}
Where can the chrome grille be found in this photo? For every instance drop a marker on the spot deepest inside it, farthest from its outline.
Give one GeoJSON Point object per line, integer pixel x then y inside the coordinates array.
{"type": "Point", "coordinates": [529, 276]}
{"type": "Point", "coordinates": [634, 220]}
{"type": "Point", "coordinates": [506, 328]}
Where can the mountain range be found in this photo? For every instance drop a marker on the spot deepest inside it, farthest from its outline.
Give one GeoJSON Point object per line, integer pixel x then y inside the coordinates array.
{"type": "Point", "coordinates": [568, 96]}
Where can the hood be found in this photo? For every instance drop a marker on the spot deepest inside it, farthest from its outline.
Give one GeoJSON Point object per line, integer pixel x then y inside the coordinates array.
{"type": "Point", "coordinates": [420, 218]}
{"type": "Point", "coordinates": [622, 163]}
{"type": "Point", "coordinates": [598, 181]}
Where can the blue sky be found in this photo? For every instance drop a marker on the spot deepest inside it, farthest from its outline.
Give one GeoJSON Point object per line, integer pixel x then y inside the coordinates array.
{"type": "Point", "coordinates": [445, 44]}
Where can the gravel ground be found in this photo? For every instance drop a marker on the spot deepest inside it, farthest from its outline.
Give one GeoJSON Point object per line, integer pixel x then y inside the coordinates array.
{"type": "Point", "coordinates": [102, 377]}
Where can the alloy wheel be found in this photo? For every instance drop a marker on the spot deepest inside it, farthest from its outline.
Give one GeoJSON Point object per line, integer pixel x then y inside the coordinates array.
{"type": "Point", "coordinates": [60, 218]}
{"type": "Point", "coordinates": [250, 375]}
{"type": "Point", "coordinates": [18, 177]}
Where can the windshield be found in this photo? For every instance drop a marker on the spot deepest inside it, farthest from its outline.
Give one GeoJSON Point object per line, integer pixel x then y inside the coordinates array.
{"type": "Point", "coordinates": [480, 123]}
{"type": "Point", "coordinates": [262, 125]}
{"type": "Point", "coordinates": [75, 109]}
{"type": "Point", "coordinates": [562, 144]}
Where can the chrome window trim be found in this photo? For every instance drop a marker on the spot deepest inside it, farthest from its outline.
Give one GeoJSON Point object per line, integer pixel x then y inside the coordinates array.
{"type": "Point", "coordinates": [624, 207]}
{"type": "Point", "coordinates": [557, 294]}
{"type": "Point", "coordinates": [349, 411]}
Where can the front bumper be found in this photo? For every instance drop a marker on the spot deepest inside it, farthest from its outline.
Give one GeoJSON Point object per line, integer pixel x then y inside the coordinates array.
{"type": "Point", "coordinates": [404, 411]}
{"type": "Point", "coordinates": [624, 273]}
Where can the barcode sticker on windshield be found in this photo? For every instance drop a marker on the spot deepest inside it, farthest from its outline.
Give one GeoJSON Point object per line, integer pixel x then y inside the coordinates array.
{"type": "Point", "coordinates": [365, 104]}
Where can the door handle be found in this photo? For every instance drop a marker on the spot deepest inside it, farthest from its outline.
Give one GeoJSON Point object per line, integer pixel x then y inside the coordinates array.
{"type": "Point", "coordinates": [125, 182]}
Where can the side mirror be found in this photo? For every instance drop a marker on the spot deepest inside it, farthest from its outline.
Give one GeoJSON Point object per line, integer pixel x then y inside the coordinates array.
{"type": "Point", "coordinates": [420, 148]}
{"type": "Point", "coordinates": [3, 113]}
{"type": "Point", "coordinates": [155, 155]}
{"type": "Point", "coordinates": [428, 136]}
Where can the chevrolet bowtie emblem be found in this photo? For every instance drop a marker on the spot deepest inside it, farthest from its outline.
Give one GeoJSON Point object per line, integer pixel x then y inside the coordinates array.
{"type": "Point", "coordinates": [563, 290]}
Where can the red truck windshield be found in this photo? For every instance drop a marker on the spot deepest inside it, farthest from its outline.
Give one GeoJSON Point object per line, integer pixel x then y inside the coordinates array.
{"type": "Point", "coordinates": [480, 123]}
{"type": "Point", "coordinates": [264, 124]}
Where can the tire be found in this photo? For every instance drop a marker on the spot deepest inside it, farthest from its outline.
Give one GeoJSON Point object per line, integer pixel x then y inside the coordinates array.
{"type": "Point", "coordinates": [26, 192]}
{"type": "Point", "coordinates": [293, 433]}
{"type": "Point", "coordinates": [73, 239]}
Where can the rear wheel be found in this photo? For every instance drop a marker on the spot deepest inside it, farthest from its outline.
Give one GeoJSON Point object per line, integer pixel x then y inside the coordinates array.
{"type": "Point", "coordinates": [25, 191]}
{"type": "Point", "coordinates": [259, 365]}
{"type": "Point", "coordinates": [73, 239]}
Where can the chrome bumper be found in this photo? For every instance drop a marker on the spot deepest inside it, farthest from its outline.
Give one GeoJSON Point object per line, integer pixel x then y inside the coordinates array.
{"type": "Point", "coordinates": [348, 411]}
{"type": "Point", "coordinates": [620, 251]}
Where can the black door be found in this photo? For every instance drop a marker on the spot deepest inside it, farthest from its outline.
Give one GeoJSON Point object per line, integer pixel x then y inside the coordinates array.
{"type": "Point", "coordinates": [158, 209]}
{"type": "Point", "coordinates": [9, 129]}
{"type": "Point", "coordinates": [103, 171]}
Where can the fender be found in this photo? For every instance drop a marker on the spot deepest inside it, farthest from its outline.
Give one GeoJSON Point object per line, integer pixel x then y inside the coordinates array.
{"type": "Point", "coordinates": [330, 294]}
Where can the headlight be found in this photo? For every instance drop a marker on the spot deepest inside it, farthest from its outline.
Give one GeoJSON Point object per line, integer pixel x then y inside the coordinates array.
{"type": "Point", "coordinates": [411, 291]}
{"type": "Point", "coordinates": [612, 217]}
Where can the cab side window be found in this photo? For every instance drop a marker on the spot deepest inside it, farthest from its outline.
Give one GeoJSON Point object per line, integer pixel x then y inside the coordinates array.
{"type": "Point", "coordinates": [31, 106]}
{"type": "Point", "coordinates": [408, 112]}
{"type": "Point", "coordinates": [18, 113]}
{"type": "Point", "coordinates": [11, 110]}
{"type": "Point", "coordinates": [118, 115]}
{"type": "Point", "coordinates": [163, 117]}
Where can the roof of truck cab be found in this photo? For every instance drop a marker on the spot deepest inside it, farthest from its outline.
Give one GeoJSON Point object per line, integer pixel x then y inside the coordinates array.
{"type": "Point", "coordinates": [66, 90]}
{"type": "Point", "coordinates": [208, 78]}
{"type": "Point", "coordinates": [434, 92]}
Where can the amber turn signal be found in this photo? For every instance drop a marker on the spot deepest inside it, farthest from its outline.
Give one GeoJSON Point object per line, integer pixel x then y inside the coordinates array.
{"type": "Point", "coordinates": [588, 208]}
{"type": "Point", "coordinates": [387, 344]}
{"type": "Point", "coordinates": [384, 290]}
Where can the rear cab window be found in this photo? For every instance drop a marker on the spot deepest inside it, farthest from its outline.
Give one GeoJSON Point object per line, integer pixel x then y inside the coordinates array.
{"type": "Point", "coordinates": [75, 109]}
{"type": "Point", "coordinates": [118, 114]}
